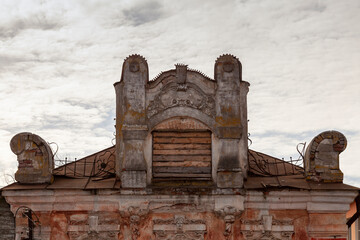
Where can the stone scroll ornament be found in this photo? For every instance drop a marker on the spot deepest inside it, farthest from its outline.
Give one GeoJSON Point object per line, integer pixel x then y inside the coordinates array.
{"type": "Point", "coordinates": [322, 157]}
{"type": "Point", "coordinates": [35, 158]}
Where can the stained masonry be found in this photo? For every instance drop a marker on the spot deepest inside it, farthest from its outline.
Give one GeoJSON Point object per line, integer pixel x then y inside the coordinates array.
{"type": "Point", "coordinates": [7, 226]}
{"type": "Point", "coordinates": [181, 169]}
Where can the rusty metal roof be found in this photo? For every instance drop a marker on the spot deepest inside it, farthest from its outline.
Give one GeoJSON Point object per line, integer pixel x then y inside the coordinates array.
{"type": "Point", "coordinates": [97, 165]}
{"type": "Point", "coordinates": [97, 171]}
{"type": "Point", "coordinates": [261, 164]}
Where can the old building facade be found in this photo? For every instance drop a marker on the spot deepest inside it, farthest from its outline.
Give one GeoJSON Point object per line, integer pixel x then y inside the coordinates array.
{"type": "Point", "coordinates": [180, 169]}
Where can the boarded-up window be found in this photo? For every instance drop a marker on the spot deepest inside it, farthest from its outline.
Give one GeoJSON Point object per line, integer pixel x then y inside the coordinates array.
{"type": "Point", "coordinates": [181, 155]}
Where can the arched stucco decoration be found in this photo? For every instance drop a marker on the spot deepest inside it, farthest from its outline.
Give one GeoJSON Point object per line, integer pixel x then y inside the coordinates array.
{"type": "Point", "coordinates": [181, 123]}
{"type": "Point", "coordinates": [36, 160]}
{"type": "Point", "coordinates": [181, 95]}
{"type": "Point", "coordinates": [182, 112]}
{"type": "Point", "coordinates": [322, 157]}
{"type": "Point", "coordinates": [181, 92]}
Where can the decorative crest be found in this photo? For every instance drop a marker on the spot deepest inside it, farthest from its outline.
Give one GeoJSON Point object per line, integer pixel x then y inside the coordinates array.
{"type": "Point", "coordinates": [135, 56]}
{"type": "Point", "coordinates": [200, 72]}
{"type": "Point", "coordinates": [228, 63]}
{"type": "Point", "coordinates": [226, 55]}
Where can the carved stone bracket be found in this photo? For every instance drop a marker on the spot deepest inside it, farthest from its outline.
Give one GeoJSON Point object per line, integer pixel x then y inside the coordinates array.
{"type": "Point", "coordinates": [229, 214]}
{"type": "Point", "coordinates": [267, 228]}
{"type": "Point", "coordinates": [179, 228]}
{"type": "Point", "coordinates": [134, 216]}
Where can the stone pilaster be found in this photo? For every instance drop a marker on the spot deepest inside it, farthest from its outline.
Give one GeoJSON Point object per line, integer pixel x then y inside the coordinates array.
{"type": "Point", "coordinates": [131, 128]}
{"type": "Point", "coordinates": [231, 122]}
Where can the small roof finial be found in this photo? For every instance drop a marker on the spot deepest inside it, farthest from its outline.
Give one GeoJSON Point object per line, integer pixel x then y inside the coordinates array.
{"type": "Point", "coordinates": [181, 72]}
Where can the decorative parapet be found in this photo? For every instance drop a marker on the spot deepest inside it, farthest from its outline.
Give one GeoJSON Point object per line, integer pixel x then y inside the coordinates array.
{"type": "Point", "coordinates": [179, 227]}
{"type": "Point", "coordinates": [267, 228]}
{"type": "Point", "coordinates": [36, 160]}
{"type": "Point", "coordinates": [220, 105]}
{"type": "Point", "coordinates": [322, 157]}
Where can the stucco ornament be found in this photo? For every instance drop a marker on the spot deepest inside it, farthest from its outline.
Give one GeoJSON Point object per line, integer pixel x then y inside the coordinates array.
{"type": "Point", "coordinates": [181, 95]}
{"type": "Point", "coordinates": [96, 226]}
{"type": "Point", "coordinates": [267, 228]}
{"type": "Point", "coordinates": [179, 228]}
{"type": "Point", "coordinates": [134, 66]}
{"type": "Point", "coordinates": [229, 214]}
{"type": "Point", "coordinates": [35, 158]}
{"type": "Point", "coordinates": [133, 216]}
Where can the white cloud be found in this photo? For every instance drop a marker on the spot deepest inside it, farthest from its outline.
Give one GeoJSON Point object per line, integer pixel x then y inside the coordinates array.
{"type": "Point", "coordinates": [59, 59]}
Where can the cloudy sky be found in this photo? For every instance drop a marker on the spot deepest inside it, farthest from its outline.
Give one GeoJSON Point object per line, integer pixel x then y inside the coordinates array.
{"type": "Point", "coordinates": [59, 60]}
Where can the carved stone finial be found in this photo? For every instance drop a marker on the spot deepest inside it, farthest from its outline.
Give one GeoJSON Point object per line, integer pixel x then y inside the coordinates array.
{"type": "Point", "coordinates": [35, 158]}
{"type": "Point", "coordinates": [322, 157]}
{"type": "Point", "coordinates": [181, 72]}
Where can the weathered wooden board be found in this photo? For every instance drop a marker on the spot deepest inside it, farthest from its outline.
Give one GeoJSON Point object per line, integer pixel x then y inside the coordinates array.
{"type": "Point", "coordinates": [176, 158]}
{"type": "Point", "coordinates": [182, 164]}
{"type": "Point", "coordinates": [184, 179]}
{"type": "Point", "coordinates": [204, 134]}
{"type": "Point", "coordinates": [181, 140]}
{"type": "Point", "coordinates": [181, 175]}
{"type": "Point", "coordinates": [182, 146]}
{"type": "Point", "coordinates": [181, 155]}
{"type": "Point", "coordinates": [181, 169]}
{"type": "Point", "coordinates": [181, 152]}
